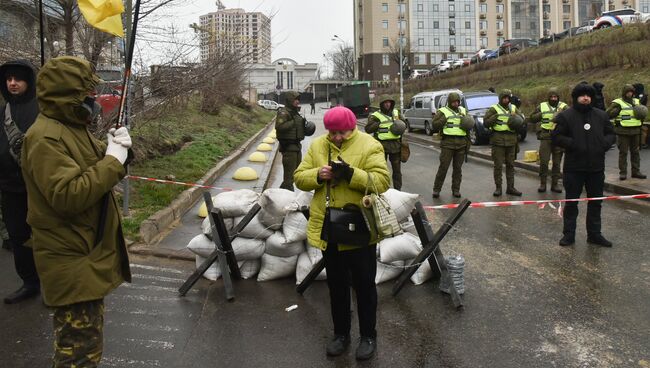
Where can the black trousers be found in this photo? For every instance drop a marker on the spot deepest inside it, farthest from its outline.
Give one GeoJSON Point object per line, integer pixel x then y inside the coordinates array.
{"type": "Point", "coordinates": [574, 182]}
{"type": "Point", "coordinates": [14, 213]}
{"type": "Point", "coordinates": [358, 267]}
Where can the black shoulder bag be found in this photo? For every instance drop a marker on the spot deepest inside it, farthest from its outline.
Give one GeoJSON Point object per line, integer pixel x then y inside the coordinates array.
{"type": "Point", "coordinates": [344, 225]}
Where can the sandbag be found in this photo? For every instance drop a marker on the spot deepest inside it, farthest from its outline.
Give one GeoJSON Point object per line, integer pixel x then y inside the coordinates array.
{"type": "Point", "coordinates": [276, 267]}
{"type": "Point", "coordinates": [212, 273]}
{"type": "Point", "coordinates": [201, 245]}
{"type": "Point", "coordinates": [302, 199]}
{"type": "Point", "coordinates": [388, 272]}
{"type": "Point", "coordinates": [248, 269]}
{"type": "Point", "coordinates": [277, 245]}
{"type": "Point", "coordinates": [422, 274]}
{"type": "Point", "coordinates": [274, 202]}
{"type": "Point", "coordinates": [232, 204]}
{"type": "Point", "coordinates": [207, 230]}
{"type": "Point", "coordinates": [254, 229]}
{"type": "Point", "coordinates": [401, 202]}
{"type": "Point", "coordinates": [247, 249]}
{"type": "Point", "coordinates": [304, 266]}
{"type": "Point", "coordinates": [294, 227]}
{"type": "Point", "coordinates": [315, 254]}
{"type": "Point", "coordinates": [399, 248]}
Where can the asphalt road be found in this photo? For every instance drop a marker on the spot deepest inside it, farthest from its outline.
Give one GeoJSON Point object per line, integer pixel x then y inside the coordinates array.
{"type": "Point", "coordinates": [528, 302]}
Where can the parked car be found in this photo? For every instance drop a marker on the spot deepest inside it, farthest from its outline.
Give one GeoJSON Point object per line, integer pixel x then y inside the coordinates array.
{"type": "Point", "coordinates": [418, 73]}
{"type": "Point", "coordinates": [586, 28]}
{"type": "Point", "coordinates": [109, 99]}
{"type": "Point", "coordinates": [492, 54]}
{"type": "Point", "coordinates": [444, 66]}
{"type": "Point", "coordinates": [477, 104]}
{"type": "Point", "coordinates": [269, 105]}
{"type": "Point", "coordinates": [458, 63]}
{"type": "Point", "coordinates": [420, 110]}
{"type": "Point", "coordinates": [515, 44]}
{"type": "Point", "coordinates": [620, 17]}
{"type": "Point", "coordinates": [573, 31]}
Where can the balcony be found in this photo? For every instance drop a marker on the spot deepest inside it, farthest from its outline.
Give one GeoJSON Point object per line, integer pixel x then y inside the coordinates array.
{"type": "Point", "coordinates": [545, 1]}
{"type": "Point", "coordinates": [499, 33]}
{"type": "Point", "coordinates": [483, 32]}
{"type": "Point", "coordinates": [547, 15]}
{"type": "Point", "coordinates": [452, 48]}
{"type": "Point", "coordinates": [566, 1]}
{"type": "Point", "coordinates": [452, 31]}
{"type": "Point", "coordinates": [452, 14]}
{"type": "Point", "coordinates": [499, 1]}
{"type": "Point", "coordinates": [566, 16]}
{"type": "Point", "coordinates": [499, 16]}
{"type": "Point", "coordinates": [482, 16]}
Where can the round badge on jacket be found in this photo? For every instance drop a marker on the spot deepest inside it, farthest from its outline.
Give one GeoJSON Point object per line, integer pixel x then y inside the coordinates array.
{"type": "Point", "coordinates": [587, 126]}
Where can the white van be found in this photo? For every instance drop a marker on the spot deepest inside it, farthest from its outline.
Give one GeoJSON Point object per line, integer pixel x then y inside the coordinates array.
{"type": "Point", "coordinates": [419, 112]}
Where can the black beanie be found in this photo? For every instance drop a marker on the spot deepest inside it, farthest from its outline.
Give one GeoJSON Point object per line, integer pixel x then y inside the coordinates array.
{"type": "Point", "coordinates": [18, 72]}
{"type": "Point", "coordinates": [583, 89]}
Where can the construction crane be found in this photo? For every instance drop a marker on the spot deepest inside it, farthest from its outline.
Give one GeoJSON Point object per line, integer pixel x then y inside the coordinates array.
{"type": "Point", "coordinates": [220, 5]}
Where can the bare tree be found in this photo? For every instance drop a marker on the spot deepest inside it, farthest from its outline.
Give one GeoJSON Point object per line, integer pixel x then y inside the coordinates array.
{"type": "Point", "coordinates": [343, 61]}
{"type": "Point", "coordinates": [406, 51]}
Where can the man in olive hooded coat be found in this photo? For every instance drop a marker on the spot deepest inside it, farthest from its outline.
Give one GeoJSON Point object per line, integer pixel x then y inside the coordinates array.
{"type": "Point", "coordinates": [69, 177]}
{"type": "Point", "coordinates": [290, 131]}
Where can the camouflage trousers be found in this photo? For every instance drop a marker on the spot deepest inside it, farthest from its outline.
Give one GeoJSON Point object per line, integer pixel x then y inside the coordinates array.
{"type": "Point", "coordinates": [78, 335]}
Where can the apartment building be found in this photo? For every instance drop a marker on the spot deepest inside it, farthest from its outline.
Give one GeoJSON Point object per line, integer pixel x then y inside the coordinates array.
{"type": "Point", "coordinates": [236, 31]}
{"type": "Point", "coordinates": [435, 30]}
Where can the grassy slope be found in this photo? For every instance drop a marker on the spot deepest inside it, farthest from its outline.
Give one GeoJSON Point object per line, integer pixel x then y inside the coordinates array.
{"type": "Point", "coordinates": [212, 138]}
{"type": "Point", "coordinates": [613, 57]}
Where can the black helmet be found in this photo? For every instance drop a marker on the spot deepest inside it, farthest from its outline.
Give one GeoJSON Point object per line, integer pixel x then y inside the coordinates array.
{"type": "Point", "coordinates": [467, 123]}
{"type": "Point", "coordinates": [310, 128]}
{"type": "Point", "coordinates": [515, 122]}
{"type": "Point", "coordinates": [640, 112]}
{"type": "Point", "coordinates": [398, 127]}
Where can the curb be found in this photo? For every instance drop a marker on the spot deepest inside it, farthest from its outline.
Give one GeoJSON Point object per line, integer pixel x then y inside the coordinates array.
{"type": "Point", "coordinates": [609, 186]}
{"type": "Point", "coordinates": [156, 224]}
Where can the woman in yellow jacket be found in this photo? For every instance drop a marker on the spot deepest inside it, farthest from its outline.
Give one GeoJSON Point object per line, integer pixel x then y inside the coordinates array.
{"type": "Point", "coordinates": [362, 159]}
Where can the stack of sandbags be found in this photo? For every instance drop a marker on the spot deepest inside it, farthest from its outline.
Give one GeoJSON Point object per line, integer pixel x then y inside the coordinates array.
{"type": "Point", "coordinates": [393, 253]}
{"type": "Point", "coordinates": [248, 253]}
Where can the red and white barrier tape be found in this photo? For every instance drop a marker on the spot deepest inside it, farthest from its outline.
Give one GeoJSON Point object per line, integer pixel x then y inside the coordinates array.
{"type": "Point", "coordinates": [540, 203]}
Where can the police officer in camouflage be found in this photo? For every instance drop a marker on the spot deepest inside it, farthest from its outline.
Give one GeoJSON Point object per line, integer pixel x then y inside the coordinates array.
{"type": "Point", "coordinates": [387, 126]}
{"type": "Point", "coordinates": [290, 131]}
{"type": "Point", "coordinates": [543, 118]}
{"type": "Point", "coordinates": [453, 124]}
{"type": "Point", "coordinates": [627, 125]}
{"type": "Point", "coordinates": [503, 119]}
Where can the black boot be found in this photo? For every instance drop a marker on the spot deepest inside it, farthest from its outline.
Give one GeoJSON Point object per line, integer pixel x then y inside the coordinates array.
{"type": "Point", "coordinates": [436, 194]}
{"type": "Point", "coordinates": [555, 187]}
{"type": "Point", "coordinates": [7, 244]}
{"type": "Point", "coordinates": [456, 193]}
{"type": "Point", "coordinates": [639, 175]}
{"type": "Point", "coordinates": [542, 186]}
{"type": "Point", "coordinates": [567, 239]}
{"type": "Point", "coordinates": [338, 345]}
{"type": "Point", "coordinates": [21, 294]}
{"type": "Point", "coordinates": [367, 347]}
{"type": "Point", "coordinates": [513, 191]}
{"type": "Point", "coordinates": [599, 239]}
{"type": "Point", "coordinates": [497, 192]}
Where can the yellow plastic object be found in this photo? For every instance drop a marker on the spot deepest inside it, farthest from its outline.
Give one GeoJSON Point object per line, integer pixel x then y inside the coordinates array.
{"type": "Point", "coordinates": [203, 211]}
{"type": "Point", "coordinates": [257, 157]}
{"type": "Point", "coordinates": [245, 173]}
{"type": "Point", "coordinates": [269, 140]}
{"type": "Point", "coordinates": [531, 156]}
{"type": "Point", "coordinates": [272, 134]}
{"type": "Point", "coordinates": [264, 147]}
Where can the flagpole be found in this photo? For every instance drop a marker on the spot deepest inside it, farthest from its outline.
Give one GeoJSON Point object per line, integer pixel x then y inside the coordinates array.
{"type": "Point", "coordinates": [40, 23]}
{"type": "Point", "coordinates": [129, 61]}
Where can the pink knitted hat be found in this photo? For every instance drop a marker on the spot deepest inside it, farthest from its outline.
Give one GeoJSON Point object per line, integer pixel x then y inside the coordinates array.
{"type": "Point", "coordinates": [340, 118]}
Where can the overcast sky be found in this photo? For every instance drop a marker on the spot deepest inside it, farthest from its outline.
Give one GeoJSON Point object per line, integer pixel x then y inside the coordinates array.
{"type": "Point", "coordinates": [301, 29]}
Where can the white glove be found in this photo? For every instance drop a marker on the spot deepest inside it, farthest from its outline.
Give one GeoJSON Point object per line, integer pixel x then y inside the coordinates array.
{"type": "Point", "coordinates": [116, 149]}
{"type": "Point", "coordinates": [121, 136]}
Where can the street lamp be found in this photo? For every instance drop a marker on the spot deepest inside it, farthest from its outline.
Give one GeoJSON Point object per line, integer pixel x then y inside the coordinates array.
{"type": "Point", "coordinates": [401, 62]}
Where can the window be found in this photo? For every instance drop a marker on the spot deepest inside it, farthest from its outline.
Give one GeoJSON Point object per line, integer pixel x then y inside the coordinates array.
{"type": "Point", "coordinates": [434, 59]}
{"type": "Point", "coordinates": [468, 8]}
{"type": "Point", "coordinates": [384, 24]}
{"type": "Point", "coordinates": [483, 8]}
{"type": "Point", "coordinates": [499, 8]}
{"type": "Point", "coordinates": [484, 42]}
{"type": "Point", "coordinates": [452, 41]}
{"type": "Point", "coordinates": [280, 80]}
{"type": "Point", "coordinates": [420, 24]}
{"type": "Point", "coordinates": [289, 80]}
{"type": "Point", "coordinates": [566, 8]}
{"type": "Point", "coordinates": [384, 7]}
{"type": "Point", "coordinates": [499, 24]}
{"type": "Point", "coordinates": [546, 8]}
{"type": "Point", "coordinates": [500, 41]}
{"type": "Point", "coordinates": [532, 8]}
{"type": "Point", "coordinates": [401, 8]}
{"type": "Point", "coordinates": [420, 8]}
{"type": "Point", "coordinates": [385, 60]}
{"type": "Point", "coordinates": [426, 104]}
{"type": "Point", "coordinates": [420, 41]}
{"type": "Point", "coordinates": [533, 25]}
{"type": "Point", "coordinates": [516, 8]}
{"type": "Point", "coordinates": [385, 77]}
{"type": "Point", "coordinates": [436, 24]}
{"type": "Point", "coordinates": [420, 59]}
{"type": "Point", "coordinates": [566, 24]}
{"type": "Point", "coordinates": [436, 42]}
{"type": "Point", "coordinates": [452, 24]}
{"type": "Point", "coordinates": [517, 25]}
{"type": "Point", "coordinates": [547, 24]}
{"type": "Point", "coordinates": [468, 42]}
{"type": "Point", "coordinates": [402, 25]}
{"type": "Point", "coordinates": [483, 24]}
{"type": "Point", "coordinates": [385, 41]}
{"type": "Point", "coordinates": [452, 8]}
{"type": "Point", "coordinates": [435, 8]}
{"type": "Point", "coordinates": [468, 25]}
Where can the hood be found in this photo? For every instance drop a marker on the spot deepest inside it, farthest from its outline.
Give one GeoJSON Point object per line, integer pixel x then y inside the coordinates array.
{"type": "Point", "coordinates": [627, 88]}
{"type": "Point", "coordinates": [383, 99]}
{"type": "Point", "coordinates": [289, 97]}
{"type": "Point", "coordinates": [639, 89]}
{"type": "Point", "coordinates": [504, 93]}
{"type": "Point", "coordinates": [553, 92]}
{"type": "Point", "coordinates": [599, 86]}
{"type": "Point", "coordinates": [62, 85]}
{"type": "Point", "coordinates": [452, 98]}
{"type": "Point", "coordinates": [26, 70]}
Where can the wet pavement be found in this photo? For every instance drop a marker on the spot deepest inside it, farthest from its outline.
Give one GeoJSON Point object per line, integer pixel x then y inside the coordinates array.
{"type": "Point", "coordinates": [528, 301]}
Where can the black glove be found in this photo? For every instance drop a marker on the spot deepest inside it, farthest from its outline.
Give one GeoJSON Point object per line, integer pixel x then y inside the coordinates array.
{"type": "Point", "coordinates": [341, 169]}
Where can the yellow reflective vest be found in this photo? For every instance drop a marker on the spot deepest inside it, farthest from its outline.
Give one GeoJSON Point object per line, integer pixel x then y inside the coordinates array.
{"type": "Point", "coordinates": [626, 117]}
{"type": "Point", "coordinates": [504, 115]}
{"type": "Point", "coordinates": [385, 122]}
{"type": "Point", "coordinates": [548, 112]}
{"type": "Point", "coordinates": [452, 126]}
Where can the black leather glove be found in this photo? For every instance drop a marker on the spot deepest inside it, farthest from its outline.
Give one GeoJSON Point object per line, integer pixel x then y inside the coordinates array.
{"type": "Point", "coordinates": [342, 169]}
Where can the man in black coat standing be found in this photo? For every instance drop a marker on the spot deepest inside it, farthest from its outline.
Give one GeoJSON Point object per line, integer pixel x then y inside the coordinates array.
{"type": "Point", "coordinates": [586, 134]}
{"type": "Point", "coordinates": [18, 88]}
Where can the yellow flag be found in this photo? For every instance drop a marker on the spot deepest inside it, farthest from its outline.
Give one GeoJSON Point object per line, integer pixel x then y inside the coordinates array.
{"type": "Point", "coordinates": [105, 15]}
